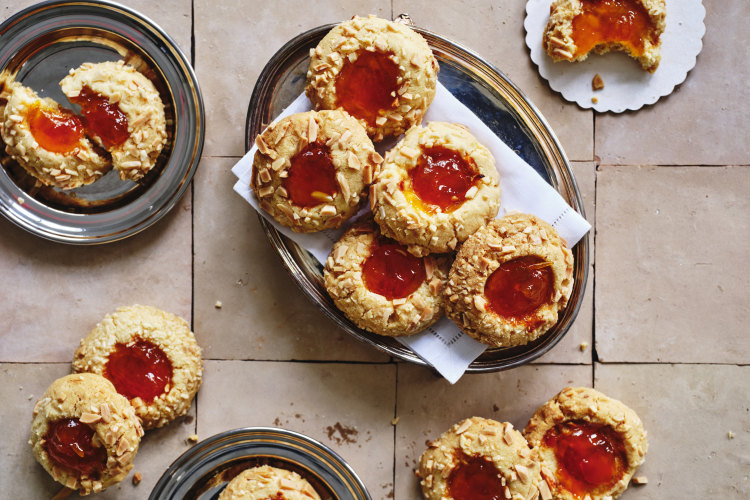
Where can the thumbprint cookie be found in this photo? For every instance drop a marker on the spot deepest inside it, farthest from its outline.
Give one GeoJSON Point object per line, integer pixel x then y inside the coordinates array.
{"type": "Point", "coordinates": [589, 445]}
{"type": "Point", "coordinates": [436, 188]}
{"type": "Point", "coordinates": [509, 281]}
{"type": "Point", "coordinates": [380, 286]}
{"type": "Point", "coordinates": [479, 459]}
{"type": "Point", "coordinates": [150, 356]}
{"type": "Point", "coordinates": [268, 483]}
{"type": "Point", "coordinates": [382, 73]}
{"type": "Point", "coordinates": [84, 433]}
{"type": "Point", "coordinates": [312, 169]}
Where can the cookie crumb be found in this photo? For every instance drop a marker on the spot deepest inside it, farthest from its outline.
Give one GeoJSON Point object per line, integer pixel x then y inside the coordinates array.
{"type": "Point", "coordinates": [597, 83]}
{"type": "Point", "coordinates": [395, 420]}
{"type": "Point", "coordinates": [20, 201]}
{"type": "Point", "coordinates": [595, 100]}
{"type": "Point", "coordinates": [218, 304]}
{"type": "Point", "coordinates": [640, 480]}
{"type": "Point", "coordinates": [583, 346]}
{"type": "Point", "coordinates": [137, 477]}
{"type": "Point", "coordinates": [730, 435]}
{"type": "Point", "coordinates": [192, 438]}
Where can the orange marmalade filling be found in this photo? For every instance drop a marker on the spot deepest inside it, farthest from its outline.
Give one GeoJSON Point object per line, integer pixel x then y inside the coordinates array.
{"type": "Point", "coordinates": [68, 444]}
{"type": "Point", "coordinates": [612, 21]}
{"type": "Point", "coordinates": [590, 457]}
{"type": "Point", "coordinates": [367, 85]}
{"type": "Point", "coordinates": [391, 271]}
{"type": "Point", "coordinates": [475, 478]}
{"type": "Point", "coordinates": [519, 287]}
{"type": "Point", "coordinates": [440, 180]}
{"type": "Point", "coordinates": [139, 369]}
{"type": "Point", "coordinates": [102, 118]}
{"type": "Point", "coordinates": [55, 129]}
{"type": "Point", "coordinates": [312, 176]}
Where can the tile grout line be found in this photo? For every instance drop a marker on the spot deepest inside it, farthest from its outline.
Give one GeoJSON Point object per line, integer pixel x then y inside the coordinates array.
{"type": "Point", "coordinates": [395, 433]}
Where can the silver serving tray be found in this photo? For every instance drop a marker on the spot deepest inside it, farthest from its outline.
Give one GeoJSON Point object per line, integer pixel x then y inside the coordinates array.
{"type": "Point", "coordinates": [495, 100]}
{"type": "Point", "coordinates": [202, 472]}
{"type": "Point", "coordinates": [37, 47]}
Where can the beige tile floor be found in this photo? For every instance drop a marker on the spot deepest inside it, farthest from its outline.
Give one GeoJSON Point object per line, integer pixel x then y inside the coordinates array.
{"type": "Point", "coordinates": [666, 189]}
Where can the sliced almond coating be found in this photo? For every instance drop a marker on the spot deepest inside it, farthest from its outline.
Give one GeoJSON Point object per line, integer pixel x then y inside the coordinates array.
{"type": "Point", "coordinates": [266, 191]}
{"type": "Point", "coordinates": [480, 302]}
{"type": "Point", "coordinates": [452, 243]}
{"type": "Point", "coordinates": [523, 473]}
{"type": "Point", "coordinates": [124, 458]}
{"type": "Point", "coordinates": [471, 192]}
{"type": "Point", "coordinates": [277, 164]}
{"type": "Point", "coordinates": [429, 267]}
{"type": "Point", "coordinates": [435, 286]}
{"type": "Point", "coordinates": [353, 161]}
{"type": "Point", "coordinates": [280, 191]}
{"type": "Point", "coordinates": [287, 484]}
{"type": "Point", "coordinates": [399, 302]}
{"type": "Point", "coordinates": [640, 480]}
{"type": "Point", "coordinates": [105, 412]}
{"type": "Point", "coordinates": [263, 147]}
{"type": "Point", "coordinates": [508, 437]}
{"type": "Point", "coordinates": [312, 130]}
{"type": "Point", "coordinates": [328, 210]}
{"type": "Point", "coordinates": [375, 157]}
{"type": "Point", "coordinates": [282, 132]}
{"type": "Point", "coordinates": [71, 482]}
{"type": "Point", "coordinates": [340, 252]}
{"type": "Point", "coordinates": [489, 431]}
{"type": "Point", "coordinates": [122, 445]}
{"type": "Point", "coordinates": [380, 121]}
{"type": "Point", "coordinates": [265, 175]}
{"type": "Point", "coordinates": [290, 214]}
{"type": "Point", "coordinates": [508, 249]}
{"type": "Point", "coordinates": [344, 185]}
{"type": "Point", "coordinates": [90, 418]}
{"type": "Point", "coordinates": [367, 174]}
{"type": "Point", "coordinates": [463, 426]}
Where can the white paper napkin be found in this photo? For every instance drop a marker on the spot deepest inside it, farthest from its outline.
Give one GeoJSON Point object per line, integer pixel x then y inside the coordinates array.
{"type": "Point", "coordinates": [443, 345]}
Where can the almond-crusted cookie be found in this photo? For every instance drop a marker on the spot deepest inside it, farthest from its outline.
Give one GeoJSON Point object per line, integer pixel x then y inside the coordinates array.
{"type": "Point", "coordinates": [151, 357]}
{"type": "Point", "coordinates": [578, 27]}
{"type": "Point", "coordinates": [382, 288]}
{"type": "Point", "coordinates": [266, 483]}
{"type": "Point", "coordinates": [479, 458]}
{"type": "Point", "coordinates": [84, 433]}
{"type": "Point", "coordinates": [381, 72]}
{"type": "Point", "coordinates": [48, 141]}
{"type": "Point", "coordinates": [509, 281]}
{"type": "Point", "coordinates": [589, 445]}
{"type": "Point", "coordinates": [436, 188]}
{"type": "Point", "coordinates": [123, 111]}
{"type": "Point", "coordinates": [312, 170]}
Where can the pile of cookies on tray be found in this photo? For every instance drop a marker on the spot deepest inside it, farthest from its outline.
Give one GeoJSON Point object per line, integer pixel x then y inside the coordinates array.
{"type": "Point", "coordinates": [138, 369]}
{"type": "Point", "coordinates": [431, 243]}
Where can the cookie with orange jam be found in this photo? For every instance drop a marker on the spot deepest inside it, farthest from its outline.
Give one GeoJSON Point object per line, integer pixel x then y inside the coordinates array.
{"type": "Point", "coordinates": [589, 445]}
{"type": "Point", "coordinates": [122, 111]}
{"type": "Point", "coordinates": [380, 286]}
{"type": "Point", "coordinates": [578, 27]}
{"type": "Point", "coordinates": [84, 433]}
{"type": "Point", "coordinates": [49, 141]}
{"type": "Point", "coordinates": [509, 281]}
{"type": "Point", "coordinates": [268, 483]}
{"type": "Point", "coordinates": [312, 169]}
{"type": "Point", "coordinates": [479, 459]}
{"type": "Point", "coordinates": [436, 188]}
{"type": "Point", "coordinates": [150, 356]}
{"type": "Point", "coordinates": [382, 73]}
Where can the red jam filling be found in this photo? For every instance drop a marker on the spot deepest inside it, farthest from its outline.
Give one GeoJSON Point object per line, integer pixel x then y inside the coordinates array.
{"type": "Point", "coordinates": [590, 457]}
{"type": "Point", "coordinates": [475, 478]}
{"type": "Point", "coordinates": [519, 287]}
{"type": "Point", "coordinates": [367, 85]}
{"type": "Point", "coordinates": [441, 179]}
{"type": "Point", "coordinates": [393, 272]}
{"type": "Point", "coordinates": [611, 21]}
{"type": "Point", "coordinates": [312, 177]}
{"type": "Point", "coordinates": [102, 118]}
{"type": "Point", "coordinates": [139, 369]}
{"type": "Point", "coordinates": [68, 444]}
{"type": "Point", "coordinates": [56, 130]}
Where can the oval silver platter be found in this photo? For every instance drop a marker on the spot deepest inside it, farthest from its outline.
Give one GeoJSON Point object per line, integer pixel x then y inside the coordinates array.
{"type": "Point", "coordinates": [37, 48]}
{"type": "Point", "coordinates": [502, 107]}
{"type": "Point", "coordinates": [202, 472]}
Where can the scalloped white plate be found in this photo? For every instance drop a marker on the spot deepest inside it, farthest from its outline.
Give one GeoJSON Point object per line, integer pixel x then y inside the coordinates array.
{"type": "Point", "coordinates": [626, 85]}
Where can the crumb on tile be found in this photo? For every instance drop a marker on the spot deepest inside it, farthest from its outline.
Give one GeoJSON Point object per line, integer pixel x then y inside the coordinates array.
{"type": "Point", "coordinates": [395, 420]}
{"type": "Point", "coordinates": [597, 83]}
{"type": "Point", "coordinates": [192, 438]}
{"type": "Point", "coordinates": [640, 480]}
{"type": "Point", "coordinates": [730, 434]}
{"type": "Point", "coordinates": [583, 346]}
{"type": "Point", "coordinates": [137, 477]}
{"type": "Point", "coordinates": [218, 304]}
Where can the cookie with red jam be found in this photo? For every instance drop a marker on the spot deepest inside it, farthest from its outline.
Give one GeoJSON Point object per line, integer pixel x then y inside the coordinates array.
{"type": "Point", "coordinates": [268, 483]}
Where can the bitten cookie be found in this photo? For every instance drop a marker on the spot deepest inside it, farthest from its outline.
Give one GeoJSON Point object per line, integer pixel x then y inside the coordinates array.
{"type": "Point", "coordinates": [268, 483]}
{"type": "Point", "coordinates": [150, 356]}
{"type": "Point", "coordinates": [122, 111]}
{"type": "Point", "coordinates": [479, 458]}
{"type": "Point", "coordinates": [382, 288]}
{"type": "Point", "coordinates": [84, 433]}
{"type": "Point", "coordinates": [48, 141]}
{"type": "Point", "coordinates": [436, 188]}
{"type": "Point", "coordinates": [588, 444]}
{"type": "Point", "coordinates": [382, 73]}
{"type": "Point", "coordinates": [312, 170]}
{"type": "Point", "coordinates": [578, 27]}
{"type": "Point", "coordinates": [509, 281]}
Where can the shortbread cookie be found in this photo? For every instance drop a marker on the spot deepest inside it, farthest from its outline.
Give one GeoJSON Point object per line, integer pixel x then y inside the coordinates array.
{"type": "Point", "coordinates": [84, 433]}
{"type": "Point", "coordinates": [509, 281]}
{"type": "Point", "coordinates": [268, 483]}
{"type": "Point", "coordinates": [589, 445]}
{"type": "Point", "coordinates": [312, 170]}
{"type": "Point", "coordinates": [436, 188]}
{"type": "Point", "coordinates": [382, 73]}
{"type": "Point", "coordinates": [122, 111]}
{"type": "Point", "coordinates": [578, 27]}
{"type": "Point", "coordinates": [48, 141]}
{"type": "Point", "coordinates": [382, 288]}
{"type": "Point", "coordinates": [479, 459]}
{"type": "Point", "coordinates": [151, 357]}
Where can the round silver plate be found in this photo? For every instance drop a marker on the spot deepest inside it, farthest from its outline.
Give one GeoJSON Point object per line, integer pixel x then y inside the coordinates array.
{"type": "Point", "coordinates": [495, 100]}
{"type": "Point", "coordinates": [37, 48]}
{"type": "Point", "coordinates": [202, 472]}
